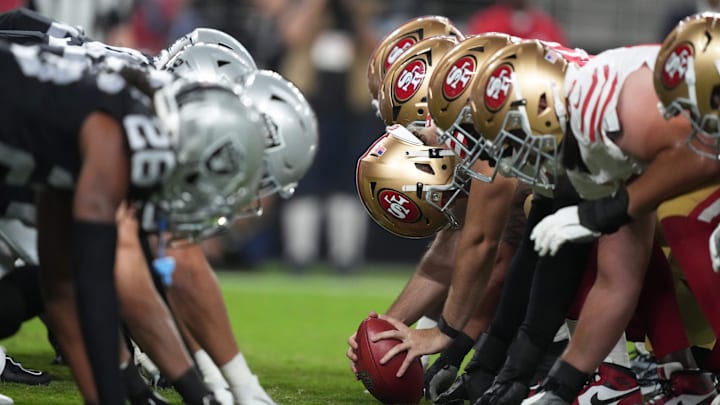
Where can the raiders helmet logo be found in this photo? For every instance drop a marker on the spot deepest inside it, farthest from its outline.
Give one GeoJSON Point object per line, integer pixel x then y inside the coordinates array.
{"type": "Point", "coordinates": [398, 206]}
{"type": "Point", "coordinates": [676, 65]}
{"type": "Point", "coordinates": [409, 80]}
{"type": "Point", "coordinates": [498, 87]}
{"type": "Point", "coordinates": [397, 50]}
{"type": "Point", "coordinates": [224, 160]}
{"type": "Point", "coordinates": [457, 78]}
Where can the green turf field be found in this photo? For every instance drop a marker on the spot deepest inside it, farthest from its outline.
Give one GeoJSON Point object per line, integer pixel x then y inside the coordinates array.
{"type": "Point", "coordinates": [292, 330]}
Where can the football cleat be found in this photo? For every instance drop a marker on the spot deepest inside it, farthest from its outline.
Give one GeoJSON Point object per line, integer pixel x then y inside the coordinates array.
{"type": "Point", "coordinates": [15, 372]}
{"type": "Point", "coordinates": [680, 386]}
{"type": "Point", "coordinates": [6, 400]}
{"type": "Point", "coordinates": [613, 385]}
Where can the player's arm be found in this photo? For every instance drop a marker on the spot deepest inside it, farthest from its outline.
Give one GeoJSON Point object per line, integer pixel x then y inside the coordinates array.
{"type": "Point", "coordinates": [101, 186]}
{"type": "Point", "coordinates": [487, 212]}
{"type": "Point", "coordinates": [674, 171]}
{"type": "Point", "coordinates": [674, 168]}
{"type": "Point", "coordinates": [427, 288]}
{"type": "Point", "coordinates": [22, 19]}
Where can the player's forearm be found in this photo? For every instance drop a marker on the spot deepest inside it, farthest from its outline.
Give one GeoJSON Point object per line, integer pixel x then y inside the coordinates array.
{"type": "Point", "coordinates": [673, 172]}
{"type": "Point", "coordinates": [421, 296]}
{"type": "Point", "coordinates": [483, 315]}
{"type": "Point", "coordinates": [485, 218]}
{"type": "Point", "coordinates": [469, 281]}
{"type": "Point", "coordinates": [427, 288]}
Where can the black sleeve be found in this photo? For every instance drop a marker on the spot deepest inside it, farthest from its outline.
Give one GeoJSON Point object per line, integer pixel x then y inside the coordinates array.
{"type": "Point", "coordinates": [24, 20]}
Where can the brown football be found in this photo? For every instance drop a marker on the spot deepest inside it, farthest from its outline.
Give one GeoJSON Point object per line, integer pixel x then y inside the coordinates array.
{"type": "Point", "coordinates": [380, 379]}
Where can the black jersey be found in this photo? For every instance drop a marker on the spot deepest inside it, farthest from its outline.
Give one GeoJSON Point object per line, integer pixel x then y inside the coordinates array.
{"type": "Point", "coordinates": [26, 27]}
{"type": "Point", "coordinates": [23, 19]}
{"type": "Point", "coordinates": [44, 101]}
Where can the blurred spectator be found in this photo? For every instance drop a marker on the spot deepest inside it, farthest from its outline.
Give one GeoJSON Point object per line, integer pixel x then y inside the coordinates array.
{"type": "Point", "coordinates": [7, 5]}
{"type": "Point", "coordinates": [157, 23]}
{"type": "Point", "coordinates": [323, 47]}
{"type": "Point", "coordinates": [684, 9]}
{"type": "Point", "coordinates": [82, 13]}
{"type": "Point", "coordinates": [518, 18]}
{"type": "Point", "coordinates": [326, 207]}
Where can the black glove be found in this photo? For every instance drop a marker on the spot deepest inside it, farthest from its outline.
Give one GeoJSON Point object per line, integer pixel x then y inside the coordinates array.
{"type": "Point", "coordinates": [441, 374]}
{"type": "Point", "coordinates": [605, 215]}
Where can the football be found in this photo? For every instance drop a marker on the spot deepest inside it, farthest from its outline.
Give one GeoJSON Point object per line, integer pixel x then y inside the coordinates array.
{"type": "Point", "coordinates": [380, 379]}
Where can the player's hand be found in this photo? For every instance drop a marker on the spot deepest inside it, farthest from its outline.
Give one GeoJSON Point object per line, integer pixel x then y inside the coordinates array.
{"type": "Point", "coordinates": [352, 350]}
{"type": "Point", "coordinates": [416, 342]}
{"type": "Point", "coordinates": [441, 374]}
{"type": "Point", "coordinates": [715, 249]}
{"type": "Point", "coordinates": [557, 229]}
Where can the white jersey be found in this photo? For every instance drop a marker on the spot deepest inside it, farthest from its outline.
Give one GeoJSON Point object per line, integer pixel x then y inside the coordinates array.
{"type": "Point", "coordinates": [592, 93]}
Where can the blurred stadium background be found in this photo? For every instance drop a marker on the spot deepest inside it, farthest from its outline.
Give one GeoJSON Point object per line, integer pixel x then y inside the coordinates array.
{"type": "Point", "coordinates": [323, 46]}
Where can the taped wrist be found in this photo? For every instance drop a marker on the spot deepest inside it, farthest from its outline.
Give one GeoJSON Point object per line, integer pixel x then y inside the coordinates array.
{"type": "Point", "coordinates": [605, 215]}
{"type": "Point", "coordinates": [459, 347]}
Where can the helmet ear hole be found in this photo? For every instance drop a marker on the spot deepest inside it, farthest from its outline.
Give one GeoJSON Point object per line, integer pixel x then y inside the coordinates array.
{"type": "Point", "coordinates": [542, 103]}
{"type": "Point", "coordinates": [715, 97]}
{"type": "Point", "coordinates": [424, 167]}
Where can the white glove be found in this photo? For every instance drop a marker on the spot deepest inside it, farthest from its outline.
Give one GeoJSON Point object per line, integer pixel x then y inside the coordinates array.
{"type": "Point", "coordinates": [556, 229]}
{"type": "Point", "coordinates": [714, 243]}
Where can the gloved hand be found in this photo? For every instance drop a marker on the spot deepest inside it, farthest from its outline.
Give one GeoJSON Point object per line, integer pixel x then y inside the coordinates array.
{"type": "Point", "coordinates": [714, 242]}
{"type": "Point", "coordinates": [441, 374]}
{"type": "Point", "coordinates": [556, 229]}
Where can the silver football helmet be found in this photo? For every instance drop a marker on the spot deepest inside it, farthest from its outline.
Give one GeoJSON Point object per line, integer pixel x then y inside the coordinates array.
{"type": "Point", "coordinates": [205, 36]}
{"type": "Point", "coordinates": [292, 131]}
{"type": "Point", "coordinates": [208, 61]}
{"type": "Point", "coordinates": [220, 144]}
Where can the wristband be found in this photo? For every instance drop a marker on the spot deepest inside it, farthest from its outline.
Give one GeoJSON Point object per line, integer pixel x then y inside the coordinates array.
{"type": "Point", "coordinates": [459, 348]}
{"type": "Point", "coordinates": [605, 215]}
{"type": "Point", "coordinates": [446, 329]}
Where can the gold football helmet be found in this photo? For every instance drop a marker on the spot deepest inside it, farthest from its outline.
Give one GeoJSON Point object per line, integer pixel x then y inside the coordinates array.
{"type": "Point", "coordinates": [449, 92]}
{"type": "Point", "coordinates": [519, 106]}
{"type": "Point", "coordinates": [399, 40]}
{"type": "Point", "coordinates": [403, 94]}
{"type": "Point", "coordinates": [406, 186]}
{"type": "Point", "coordinates": [687, 79]}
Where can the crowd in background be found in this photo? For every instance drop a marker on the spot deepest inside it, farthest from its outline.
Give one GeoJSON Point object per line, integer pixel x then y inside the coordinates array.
{"type": "Point", "coordinates": [322, 46]}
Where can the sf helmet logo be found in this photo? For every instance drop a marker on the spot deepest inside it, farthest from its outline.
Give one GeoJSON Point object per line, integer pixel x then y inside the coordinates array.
{"type": "Point", "coordinates": [399, 206]}
{"type": "Point", "coordinates": [676, 65]}
{"type": "Point", "coordinates": [397, 50]}
{"type": "Point", "coordinates": [409, 80]}
{"type": "Point", "coordinates": [457, 78]}
{"type": "Point", "coordinates": [498, 88]}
